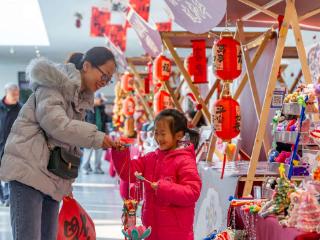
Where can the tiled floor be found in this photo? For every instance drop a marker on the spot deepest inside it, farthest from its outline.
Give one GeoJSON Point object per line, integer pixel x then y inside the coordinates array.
{"type": "Point", "coordinates": [99, 195]}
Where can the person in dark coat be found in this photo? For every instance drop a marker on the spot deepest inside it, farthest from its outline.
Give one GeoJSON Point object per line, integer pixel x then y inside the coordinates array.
{"type": "Point", "coordinates": [9, 110]}
{"type": "Point", "coordinates": [100, 119]}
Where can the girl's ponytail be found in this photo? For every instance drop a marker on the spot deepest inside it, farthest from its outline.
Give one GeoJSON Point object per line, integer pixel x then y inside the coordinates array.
{"type": "Point", "coordinates": [194, 137]}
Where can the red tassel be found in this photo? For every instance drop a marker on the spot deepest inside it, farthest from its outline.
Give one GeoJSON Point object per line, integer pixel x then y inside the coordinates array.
{"type": "Point", "coordinates": [223, 165]}
{"type": "Point", "coordinates": [280, 21]}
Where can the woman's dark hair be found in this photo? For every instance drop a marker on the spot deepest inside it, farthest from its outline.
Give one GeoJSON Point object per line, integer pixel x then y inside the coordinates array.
{"type": "Point", "coordinates": [75, 58]}
{"type": "Point", "coordinates": [178, 122]}
{"type": "Point", "coordinates": [97, 56]}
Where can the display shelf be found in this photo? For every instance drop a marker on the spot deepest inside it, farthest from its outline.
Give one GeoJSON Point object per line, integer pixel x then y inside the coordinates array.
{"type": "Point", "coordinates": [295, 109]}
{"type": "Point", "coordinates": [290, 137]}
{"type": "Point", "coordinates": [297, 170]}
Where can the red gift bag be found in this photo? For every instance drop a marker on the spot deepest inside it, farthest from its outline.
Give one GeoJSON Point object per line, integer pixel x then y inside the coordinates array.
{"type": "Point", "coordinates": [74, 222]}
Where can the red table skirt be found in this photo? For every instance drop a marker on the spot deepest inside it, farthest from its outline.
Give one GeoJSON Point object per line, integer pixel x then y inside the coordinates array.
{"type": "Point", "coordinates": [267, 228]}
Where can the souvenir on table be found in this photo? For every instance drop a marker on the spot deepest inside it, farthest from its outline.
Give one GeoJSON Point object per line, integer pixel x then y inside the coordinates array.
{"type": "Point", "coordinates": [280, 200]}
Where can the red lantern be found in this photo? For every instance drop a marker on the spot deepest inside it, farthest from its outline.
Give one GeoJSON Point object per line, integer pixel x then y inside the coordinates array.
{"type": "Point", "coordinates": [227, 58]}
{"type": "Point", "coordinates": [162, 100]}
{"type": "Point", "coordinates": [129, 106]}
{"type": "Point", "coordinates": [199, 61]}
{"type": "Point", "coordinates": [162, 68]}
{"type": "Point", "coordinates": [226, 118]}
{"type": "Point", "coordinates": [127, 82]}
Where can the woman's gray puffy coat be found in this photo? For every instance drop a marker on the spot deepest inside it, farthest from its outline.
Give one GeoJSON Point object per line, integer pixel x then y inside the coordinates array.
{"type": "Point", "coordinates": [60, 111]}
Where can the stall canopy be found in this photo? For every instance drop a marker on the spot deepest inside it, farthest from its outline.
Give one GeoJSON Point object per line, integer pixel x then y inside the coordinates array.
{"type": "Point", "coordinates": [244, 9]}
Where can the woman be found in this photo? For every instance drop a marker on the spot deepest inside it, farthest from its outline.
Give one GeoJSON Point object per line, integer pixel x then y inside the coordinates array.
{"type": "Point", "coordinates": [56, 110]}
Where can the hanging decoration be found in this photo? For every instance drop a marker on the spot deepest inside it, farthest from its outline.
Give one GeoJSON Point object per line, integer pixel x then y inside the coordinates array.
{"type": "Point", "coordinates": [127, 82]}
{"type": "Point", "coordinates": [189, 64]}
{"type": "Point", "coordinates": [226, 120]}
{"type": "Point", "coordinates": [164, 26]}
{"type": "Point", "coordinates": [99, 20]}
{"type": "Point", "coordinates": [146, 85]}
{"type": "Point", "coordinates": [148, 78]}
{"type": "Point", "coordinates": [227, 58]}
{"type": "Point", "coordinates": [129, 106]}
{"type": "Point", "coordinates": [199, 61]}
{"type": "Point", "coordinates": [148, 35]}
{"type": "Point", "coordinates": [142, 7]}
{"type": "Point", "coordinates": [79, 18]}
{"type": "Point", "coordinates": [197, 16]}
{"type": "Point", "coordinates": [162, 100]}
{"type": "Point", "coordinates": [162, 68]}
{"type": "Point", "coordinates": [117, 34]}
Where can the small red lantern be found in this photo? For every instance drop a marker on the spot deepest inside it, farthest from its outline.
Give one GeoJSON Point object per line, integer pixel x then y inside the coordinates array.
{"type": "Point", "coordinates": [227, 58]}
{"type": "Point", "coordinates": [226, 118]}
{"type": "Point", "coordinates": [199, 61]}
{"type": "Point", "coordinates": [127, 82]}
{"type": "Point", "coordinates": [162, 100]}
{"type": "Point", "coordinates": [162, 68]}
{"type": "Point", "coordinates": [129, 106]}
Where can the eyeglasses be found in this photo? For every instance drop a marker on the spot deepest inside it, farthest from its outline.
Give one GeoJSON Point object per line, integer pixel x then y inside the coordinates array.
{"type": "Point", "coordinates": [104, 76]}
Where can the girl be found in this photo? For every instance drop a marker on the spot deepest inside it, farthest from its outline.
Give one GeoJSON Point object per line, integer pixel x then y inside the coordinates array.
{"type": "Point", "coordinates": [62, 93]}
{"type": "Point", "coordinates": [170, 200]}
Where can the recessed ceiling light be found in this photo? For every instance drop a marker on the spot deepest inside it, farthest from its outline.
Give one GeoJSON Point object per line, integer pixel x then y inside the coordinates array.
{"type": "Point", "coordinates": [21, 24]}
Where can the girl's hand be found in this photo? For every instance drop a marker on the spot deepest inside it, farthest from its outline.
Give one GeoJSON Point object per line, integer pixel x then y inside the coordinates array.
{"type": "Point", "coordinates": [154, 185]}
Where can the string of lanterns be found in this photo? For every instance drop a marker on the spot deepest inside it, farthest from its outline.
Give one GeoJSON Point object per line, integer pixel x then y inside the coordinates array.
{"type": "Point", "coordinates": [226, 111]}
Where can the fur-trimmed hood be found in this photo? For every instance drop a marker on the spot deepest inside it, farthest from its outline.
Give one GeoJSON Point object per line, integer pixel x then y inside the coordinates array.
{"type": "Point", "coordinates": [65, 77]}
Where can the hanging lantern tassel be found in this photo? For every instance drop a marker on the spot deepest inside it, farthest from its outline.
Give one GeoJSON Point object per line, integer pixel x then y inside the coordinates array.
{"type": "Point", "coordinates": [223, 164]}
{"type": "Point", "coordinates": [228, 155]}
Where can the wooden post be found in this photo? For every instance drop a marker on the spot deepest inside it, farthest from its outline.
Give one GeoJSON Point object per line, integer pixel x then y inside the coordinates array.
{"type": "Point", "coordinates": [299, 42]}
{"type": "Point", "coordinates": [173, 96]}
{"type": "Point", "coordinates": [145, 105]}
{"type": "Point", "coordinates": [187, 77]}
{"type": "Point", "coordinates": [267, 101]}
{"type": "Point", "coordinates": [212, 147]}
{"type": "Point", "coordinates": [260, 8]}
{"type": "Point", "coordinates": [252, 81]}
{"type": "Point", "coordinates": [177, 91]}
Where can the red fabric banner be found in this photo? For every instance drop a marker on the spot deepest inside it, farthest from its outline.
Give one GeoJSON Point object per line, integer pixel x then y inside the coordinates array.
{"type": "Point", "coordinates": [99, 20]}
{"type": "Point", "coordinates": [164, 26]}
{"type": "Point", "coordinates": [142, 7]}
{"type": "Point", "coordinates": [117, 35]}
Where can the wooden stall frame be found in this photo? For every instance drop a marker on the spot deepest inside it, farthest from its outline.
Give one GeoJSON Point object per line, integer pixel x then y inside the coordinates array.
{"type": "Point", "coordinates": [260, 40]}
{"type": "Point", "coordinates": [290, 18]}
{"type": "Point", "coordinates": [137, 81]}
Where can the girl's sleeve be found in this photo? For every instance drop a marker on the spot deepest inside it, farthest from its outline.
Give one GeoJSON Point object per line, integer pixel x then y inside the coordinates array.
{"type": "Point", "coordinates": [187, 191]}
{"type": "Point", "coordinates": [123, 164]}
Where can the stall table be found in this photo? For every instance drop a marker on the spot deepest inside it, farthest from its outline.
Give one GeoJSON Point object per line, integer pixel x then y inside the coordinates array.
{"type": "Point", "coordinates": [212, 207]}
{"type": "Point", "coordinates": [268, 228]}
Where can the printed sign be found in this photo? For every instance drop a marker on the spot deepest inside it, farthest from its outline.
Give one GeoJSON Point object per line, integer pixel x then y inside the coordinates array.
{"type": "Point", "coordinates": [278, 97]}
{"type": "Point", "coordinates": [197, 16]}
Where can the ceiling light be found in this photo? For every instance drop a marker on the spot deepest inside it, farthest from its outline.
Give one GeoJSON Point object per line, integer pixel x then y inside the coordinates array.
{"type": "Point", "coordinates": [21, 23]}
